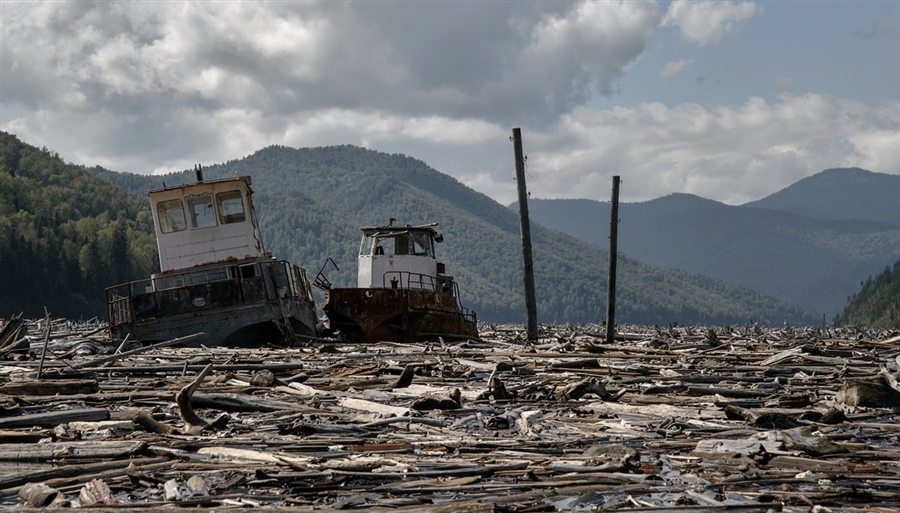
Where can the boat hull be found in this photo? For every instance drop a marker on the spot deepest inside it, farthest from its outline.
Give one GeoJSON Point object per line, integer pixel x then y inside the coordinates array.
{"type": "Point", "coordinates": [396, 315]}
{"type": "Point", "coordinates": [241, 303]}
{"type": "Point", "coordinates": [232, 326]}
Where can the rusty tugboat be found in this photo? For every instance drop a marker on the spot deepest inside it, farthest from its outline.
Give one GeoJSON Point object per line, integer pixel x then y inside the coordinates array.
{"type": "Point", "coordinates": [216, 277]}
{"type": "Point", "coordinates": [403, 293]}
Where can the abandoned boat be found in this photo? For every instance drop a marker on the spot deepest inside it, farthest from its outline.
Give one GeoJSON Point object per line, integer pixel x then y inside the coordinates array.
{"type": "Point", "coordinates": [403, 293]}
{"type": "Point", "coordinates": [216, 276]}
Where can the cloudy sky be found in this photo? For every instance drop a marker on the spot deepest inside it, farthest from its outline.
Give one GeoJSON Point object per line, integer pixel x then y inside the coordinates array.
{"type": "Point", "coordinates": [730, 100]}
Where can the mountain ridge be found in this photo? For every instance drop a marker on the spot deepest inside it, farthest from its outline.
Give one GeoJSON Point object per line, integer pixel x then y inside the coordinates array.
{"type": "Point", "coordinates": [838, 193]}
{"type": "Point", "coordinates": [809, 261]}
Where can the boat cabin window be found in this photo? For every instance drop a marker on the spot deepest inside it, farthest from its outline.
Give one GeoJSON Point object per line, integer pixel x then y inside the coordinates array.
{"type": "Point", "coordinates": [404, 243]}
{"type": "Point", "coordinates": [200, 210]}
{"type": "Point", "coordinates": [366, 247]}
{"type": "Point", "coordinates": [171, 216]}
{"type": "Point", "coordinates": [231, 207]}
{"type": "Point", "coordinates": [421, 243]}
{"type": "Point", "coordinates": [385, 246]}
{"type": "Point", "coordinates": [389, 245]}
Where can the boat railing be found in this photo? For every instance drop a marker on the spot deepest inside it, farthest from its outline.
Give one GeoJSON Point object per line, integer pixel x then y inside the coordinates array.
{"type": "Point", "coordinates": [442, 284]}
{"type": "Point", "coordinates": [410, 280]}
{"type": "Point", "coordinates": [252, 282]}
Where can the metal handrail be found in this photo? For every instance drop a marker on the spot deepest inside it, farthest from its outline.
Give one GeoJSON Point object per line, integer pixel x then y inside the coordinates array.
{"type": "Point", "coordinates": [435, 285]}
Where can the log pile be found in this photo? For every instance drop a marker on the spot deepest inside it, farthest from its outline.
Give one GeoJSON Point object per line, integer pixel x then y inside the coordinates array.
{"type": "Point", "coordinates": [664, 419]}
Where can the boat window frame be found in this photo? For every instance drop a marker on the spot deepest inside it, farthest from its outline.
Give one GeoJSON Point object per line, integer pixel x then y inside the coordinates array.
{"type": "Point", "coordinates": [225, 201]}
{"type": "Point", "coordinates": [197, 200]}
{"type": "Point", "coordinates": [385, 245]}
{"type": "Point", "coordinates": [171, 216]}
{"type": "Point", "coordinates": [367, 245]}
{"type": "Point", "coordinates": [403, 243]}
{"type": "Point", "coordinates": [421, 239]}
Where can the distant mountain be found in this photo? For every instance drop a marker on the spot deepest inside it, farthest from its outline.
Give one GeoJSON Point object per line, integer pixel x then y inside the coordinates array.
{"type": "Point", "coordinates": [811, 262]}
{"type": "Point", "coordinates": [312, 202]}
{"type": "Point", "coordinates": [850, 193]}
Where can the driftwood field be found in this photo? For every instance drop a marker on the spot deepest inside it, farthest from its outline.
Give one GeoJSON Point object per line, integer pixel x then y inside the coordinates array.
{"type": "Point", "coordinates": [664, 419]}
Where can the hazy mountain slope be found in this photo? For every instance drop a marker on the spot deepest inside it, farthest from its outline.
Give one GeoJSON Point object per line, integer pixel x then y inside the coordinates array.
{"type": "Point", "coordinates": [313, 200]}
{"type": "Point", "coordinates": [875, 305]}
{"type": "Point", "coordinates": [849, 193]}
{"type": "Point", "coordinates": [813, 263]}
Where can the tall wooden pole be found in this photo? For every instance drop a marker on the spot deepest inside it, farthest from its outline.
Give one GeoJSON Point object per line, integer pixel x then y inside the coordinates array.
{"type": "Point", "coordinates": [613, 250]}
{"type": "Point", "coordinates": [530, 303]}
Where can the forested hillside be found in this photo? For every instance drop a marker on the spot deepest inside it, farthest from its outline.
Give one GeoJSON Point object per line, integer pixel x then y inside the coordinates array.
{"type": "Point", "coordinates": [812, 262]}
{"type": "Point", "coordinates": [65, 235]}
{"type": "Point", "coordinates": [877, 304]}
{"type": "Point", "coordinates": [312, 202]}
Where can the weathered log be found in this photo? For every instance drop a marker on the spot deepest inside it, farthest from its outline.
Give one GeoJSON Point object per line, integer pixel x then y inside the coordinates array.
{"type": "Point", "coordinates": [875, 393]}
{"type": "Point", "coordinates": [241, 402]}
{"type": "Point", "coordinates": [400, 420]}
{"type": "Point", "coordinates": [149, 424]}
{"type": "Point", "coordinates": [578, 390]}
{"type": "Point", "coordinates": [263, 378]}
{"type": "Point", "coordinates": [802, 439]}
{"type": "Point", "coordinates": [119, 356]}
{"type": "Point", "coordinates": [193, 424]}
{"type": "Point", "coordinates": [69, 450]}
{"type": "Point", "coordinates": [52, 475]}
{"type": "Point", "coordinates": [54, 418]}
{"type": "Point", "coordinates": [372, 407]}
{"type": "Point", "coordinates": [38, 495]}
{"type": "Point", "coordinates": [767, 420]}
{"type": "Point", "coordinates": [406, 376]}
{"type": "Point", "coordinates": [11, 331]}
{"type": "Point", "coordinates": [7, 437]}
{"type": "Point", "coordinates": [52, 387]}
{"type": "Point", "coordinates": [728, 449]}
{"type": "Point", "coordinates": [437, 402]}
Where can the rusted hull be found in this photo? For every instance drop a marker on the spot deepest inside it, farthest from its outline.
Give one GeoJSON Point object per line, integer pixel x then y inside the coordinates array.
{"type": "Point", "coordinates": [396, 315]}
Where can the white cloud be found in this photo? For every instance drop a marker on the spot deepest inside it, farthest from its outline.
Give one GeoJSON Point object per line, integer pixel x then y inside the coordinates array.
{"type": "Point", "coordinates": [706, 21]}
{"type": "Point", "coordinates": [731, 154]}
{"type": "Point", "coordinates": [674, 68]}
